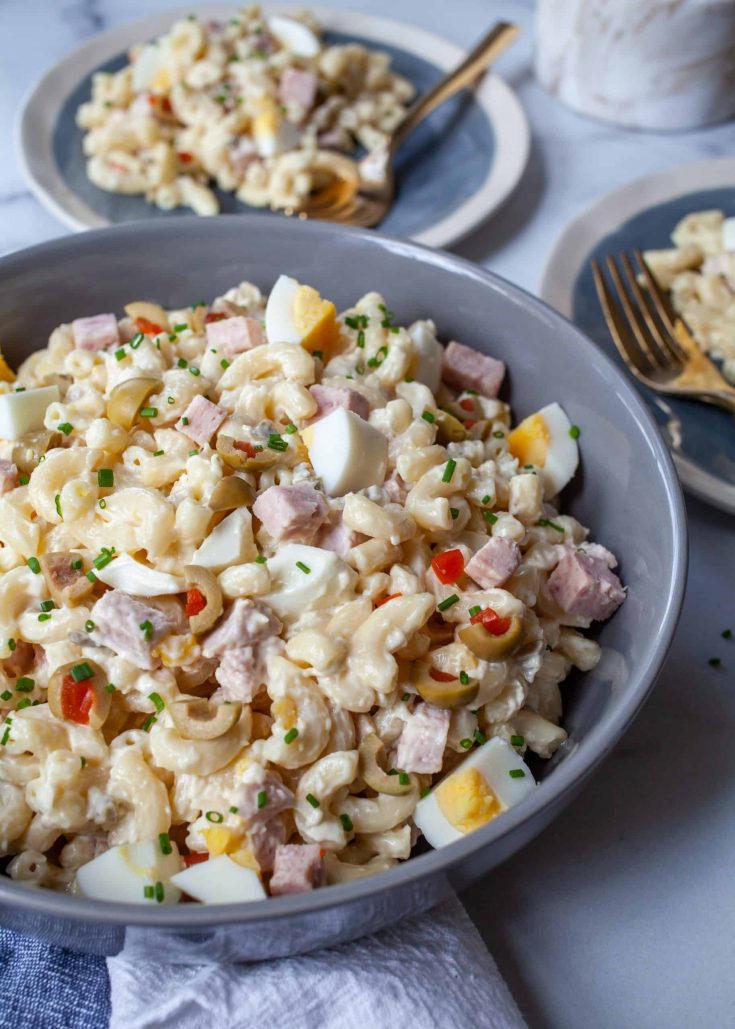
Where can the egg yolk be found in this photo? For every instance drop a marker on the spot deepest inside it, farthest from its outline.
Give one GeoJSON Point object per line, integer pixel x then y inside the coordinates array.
{"type": "Point", "coordinates": [529, 442]}
{"type": "Point", "coordinates": [267, 121]}
{"type": "Point", "coordinates": [220, 840]}
{"type": "Point", "coordinates": [6, 373]}
{"type": "Point", "coordinates": [315, 319]}
{"type": "Point", "coordinates": [467, 800]}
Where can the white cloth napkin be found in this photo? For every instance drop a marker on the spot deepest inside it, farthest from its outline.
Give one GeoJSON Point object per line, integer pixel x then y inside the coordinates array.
{"type": "Point", "coordinates": [430, 971]}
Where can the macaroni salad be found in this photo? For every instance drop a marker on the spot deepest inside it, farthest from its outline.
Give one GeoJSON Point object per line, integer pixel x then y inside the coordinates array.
{"type": "Point", "coordinates": [281, 591]}
{"type": "Point", "coordinates": [699, 272]}
{"type": "Point", "coordinates": [259, 106]}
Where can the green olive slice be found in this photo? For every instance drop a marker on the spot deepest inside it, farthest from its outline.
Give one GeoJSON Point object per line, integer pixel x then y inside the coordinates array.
{"type": "Point", "coordinates": [30, 448]}
{"type": "Point", "coordinates": [375, 776]}
{"type": "Point", "coordinates": [153, 313]}
{"type": "Point", "coordinates": [206, 583]}
{"type": "Point", "coordinates": [127, 398]}
{"type": "Point", "coordinates": [231, 492]}
{"type": "Point", "coordinates": [488, 647]}
{"type": "Point", "coordinates": [450, 429]}
{"type": "Point", "coordinates": [243, 456]}
{"type": "Point", "coordinates": [450, 694]}
{"type": "Point", "coordinates": [66, 694]}
{"type": "Point", "coordinates": [197, 719]}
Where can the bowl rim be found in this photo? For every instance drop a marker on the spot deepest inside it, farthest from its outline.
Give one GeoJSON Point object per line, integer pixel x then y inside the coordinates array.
{"type": "Point", "coordinates": [553, 791]}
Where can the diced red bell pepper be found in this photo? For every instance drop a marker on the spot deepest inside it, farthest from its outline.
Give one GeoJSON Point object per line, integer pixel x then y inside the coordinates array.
{"type": "Point", "coordinates": [449, 566]}
{"type": "Point", "coordinates": [491, 622]}
{"type": "Point", "coordinates": [77, 699]}
{"type": "Point", "coordinates": [184, 156]}
{"type": "Point", "coordinates": [384, 600]}
{"type": "Point", "coordinates": [194, 859]}
{"type": "Point", "coordinates": [148, 328]}
{"type": "Point", "coordinates": [195, 602]}
{"type": "Point", "coordinates": [214, 316]}
{"type": "Point", "coordinates": [247, 448]}
{"type": "Point", "coordinates": [467, 404]}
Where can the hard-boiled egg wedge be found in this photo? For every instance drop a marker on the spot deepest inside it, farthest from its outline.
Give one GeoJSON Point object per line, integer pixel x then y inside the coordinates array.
{"type": "Point", "coordinates": [728, 234]}
{"type": "Point", "coordinates": [488, 782]}
{"type": "Point", "coordinates": [137, 873]}
{"type": "Point", "coordinates": [126, 574]}
{"type": "Point", "coordinates": [546, 440]}
{"type": "Point", "coordinates": [25, 411]}
{"type": "Point", "coordinates": [428, 366]}
{"type": "Point", "coordinates": [297, 314]}
{"type": "Point", "coordinates": [294, 35]}
{"type": "Point", "coordinates": [306, 578]}
{"type": "Point", "coordinates": [6, 372]}
{"type": "Point", "coordinates": [346, 452]}
{"type": "Point", "coordinates": [230, 542]}
{"type": "Point", "coordinates": [220, 881]}
{"type": "Point", "coordinates": [145, 67]}
{"type": "Point", "coordinates": [272, 133]}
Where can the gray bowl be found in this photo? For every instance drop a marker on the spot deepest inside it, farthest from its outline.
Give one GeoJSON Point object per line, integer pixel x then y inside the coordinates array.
{"type": "Point", "coordinates": [627, 492]}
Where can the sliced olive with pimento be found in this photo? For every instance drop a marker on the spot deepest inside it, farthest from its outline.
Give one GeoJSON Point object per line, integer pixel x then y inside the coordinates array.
{"type": "Point", "coordinates": [149, 318]}
{"type": "Point", "coordinates": [244, 455]}
{"type": "Point", "coordinates": [490, 636]}
{"type": "Point", "coordinates": [443, 689]}
{"type": "Point", "coordinates": [127, 398]}
{"type": "Point", "coordinates": [76, 693]}
{"type": "Point", "coordinates": [29, 449]}
{"type": "Point", "coordinates": [203, 598]}
{"type": "Point", "coordinates": [231, 492]}
{"type": "Point", "coordinates": [450, 429]}
{"type": "Point", "coordinates": [372, 753]}
{"type": "Point", "coordinates": [199, 719]}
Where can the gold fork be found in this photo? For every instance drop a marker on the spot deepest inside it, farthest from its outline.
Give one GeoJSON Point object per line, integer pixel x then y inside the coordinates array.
{"type": "Point", "coordinates": [658, 348]}
{"type": "Point", "coordinates": [362, 194]}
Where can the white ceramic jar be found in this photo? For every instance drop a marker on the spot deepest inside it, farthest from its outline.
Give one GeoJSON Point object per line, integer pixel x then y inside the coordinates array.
{"type": "Point", "coordinates": [645, 64]}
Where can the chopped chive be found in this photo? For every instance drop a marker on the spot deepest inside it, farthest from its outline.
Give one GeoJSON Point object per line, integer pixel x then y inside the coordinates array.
{"type": "Point", "coordinates": [406, 697]}
{"type": "Point", "coordinates": [290, 429]}
{"type": "Point", "coordinates": [275, 442]}
{"type": "Point", "coordinates": [302, 567]}
{"type": "Point", "coordinates": [214, 816]}
{"type": "Point", "coordinates": [147, 629]}
{"type": "Point", "coordinates": [465, 743]}
{"type": "Point", "coordinates": [6, 734]}
{"type": "Point", "coordinates": [260, 559]}
{"type": "Point", "coordinates": [47, 605]}
{"type": "Point", "coordinates": [34, 565]}
{"type": "Point", "coordinates": [454, 512]}
{"type": "Point", "coordinates": [110, 687]}
{"type": "Point", "coordinates": [89, 625]}
{"type": "Point", "coordinates": [136, 340]}
{"type": "Point", "coordinates": [148, 892]}
{"type": "Point", "coordinates": [312, 800]}
{"type": "Point", "coordinates": [105, 478]}
{"type": "Point", "coordinates": [23, 480]}
{"type": "Point", "coordinates": [11, 644]}
{"type": "Point", "coordinates": [159, 892]}
{"type": "Point", "coordinates": [714, 662]}
{"type": "Point", "coordinates": [150, 721]}
{"type": "Point", "coordinates": [233, 810]}
{"type": "Point", "coordinates": [103, 558]}
{"type": "Point", "coordinates": [44, 617]}
{"type": "Point", "coordinates": [193, 371]}
{"type": "Point", "coordinates": [464, 678]}
{"type": "Point", "coordinates": [164, 843]}
{"type": "Point", "coordinates": [158, 453]}
{"type": "Point", "coordinates": [262, 800]}
{"type": "Point", "coordinates": [550, 525]}
{"type": "Point", "coordinates": [448, 602]}
{"type": "Point", "coordinates": [480, 737]}
{"type": "Point", "coordinates": [486, 499]}
{"type": "Point", "coordinates": [6, 695]}
{"type": "Point", "coordinates": [170, 400]}
{"type": "Point", "coordinates": [475, 610]}
{"type": "Point", "coordinates": [120, 354]}
{"type": "Point", "coordinates": [425, 792]}
{"type": "Point", "coordinates": [24, 684]}
{"type": "Point", "coordinates": [103, 504]}
{"type": "Point", "coordinates": [66, 427]}
{"type": "Point", "coordinates": [404, 779]}
{"type": "Point", "coordinates": [182, 363]}
{"type": "Point", "coordinates": [291, 735]}
{"type": "Point", "coordinates": [181, 327]}
{"type": "Point", "coordinates": [449, 470]}
{"type": "Point", "coordinates": [193, 453]}
{"type": "Point", "coordinates": [184, 420]}
{"type": "Point", "coordinates": [346, 822]}
{"type": "Point", "coordinates": [498, 434]}
{"type": "Point", "coordinates": [361, 340]}
{"type": "Point", "coordinates": [224, 364]}
{"type": "Point", "coordinates": [148, 412]}
{"type": "Point", "coordinates": [157, 700]}
{"type": "Point", "coordinates": [428, 417]}
{"type": "Point", "coordinates": [517, 773]}
{"type": "Point", "coordinates": [489, 517]}
{"type": "Point", "coordinates": [575, 431]}
{"type": "Point", "coordinates": [82, 671]}
{"type": "Point", "coordinates": [517, 741]}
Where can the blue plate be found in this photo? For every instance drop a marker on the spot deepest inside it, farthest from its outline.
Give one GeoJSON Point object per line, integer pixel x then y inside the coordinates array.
{"type": "Point", "coordinates": [702, 437]}
{"type": "Point", "coordinates": [453, 171]}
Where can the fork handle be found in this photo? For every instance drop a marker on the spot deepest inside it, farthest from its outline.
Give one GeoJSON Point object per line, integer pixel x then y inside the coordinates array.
{"type": "Point", "coordinates": [477, 61]}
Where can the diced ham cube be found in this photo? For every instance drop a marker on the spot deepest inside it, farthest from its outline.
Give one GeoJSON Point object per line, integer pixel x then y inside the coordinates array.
{"type": "Point", "coordinates": [8, 476]}
{"type": "Point", "coordinates": [235, 335]}
{"type": "Point", "coordinates": [278, 798]}
{"type": "Point", "coordinates": [298, 87]}
{"type": "Point", "coordinates": [95, 333]}
{"type": "Point", "coordinates": [298, 867]}
{"type": "Point", "coordinates": [396, 488]}
{"type": "Point", "coordinates": [465, 368]}
{"type": "Point", "coordinates": [584, 585]}
{"type": "Point", "coordinates": [597, 550]}
{"type": "Point", "coordinates": [240, 673]}
{"type": "Point", "coordinates": [265, 838]}
{"type": "Point", "coordinates": [201, 420]}
{"type": "Point", "coordinates": [129, 627]}
{"type": "Point", "coordinates": [328, 398]}
{"type": "Point", "coordinates": [423, 741]}
{"type": "Point", "coordinates": [334, 535]}
{"type": "Point", "coordinates": [291, 512]}
{"type": "Point", "coordinates": [494, 563]}
{"type": "Point", "coordinates": [247, 622]}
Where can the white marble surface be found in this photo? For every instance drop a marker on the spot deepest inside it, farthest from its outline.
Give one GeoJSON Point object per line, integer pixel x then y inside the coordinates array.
{"type": "Point", "coordinates": [623, 912]}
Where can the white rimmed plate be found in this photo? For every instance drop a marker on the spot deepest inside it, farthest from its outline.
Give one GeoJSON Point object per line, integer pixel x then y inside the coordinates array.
{"type": "Point", "coordinates": [456, 169]}
{"type": "Point", "coordinates": [643, 213]}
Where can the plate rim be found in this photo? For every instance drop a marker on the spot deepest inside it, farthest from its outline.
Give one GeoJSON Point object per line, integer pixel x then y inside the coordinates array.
{"type": "Point", "coordinates": [603, 216]}
{"type": "Point", "coordinates": [40, 108]}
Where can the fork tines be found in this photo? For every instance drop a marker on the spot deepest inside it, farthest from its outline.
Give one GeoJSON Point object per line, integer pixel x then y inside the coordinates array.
{"type": "Point", "coordinates": [638, 317]}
